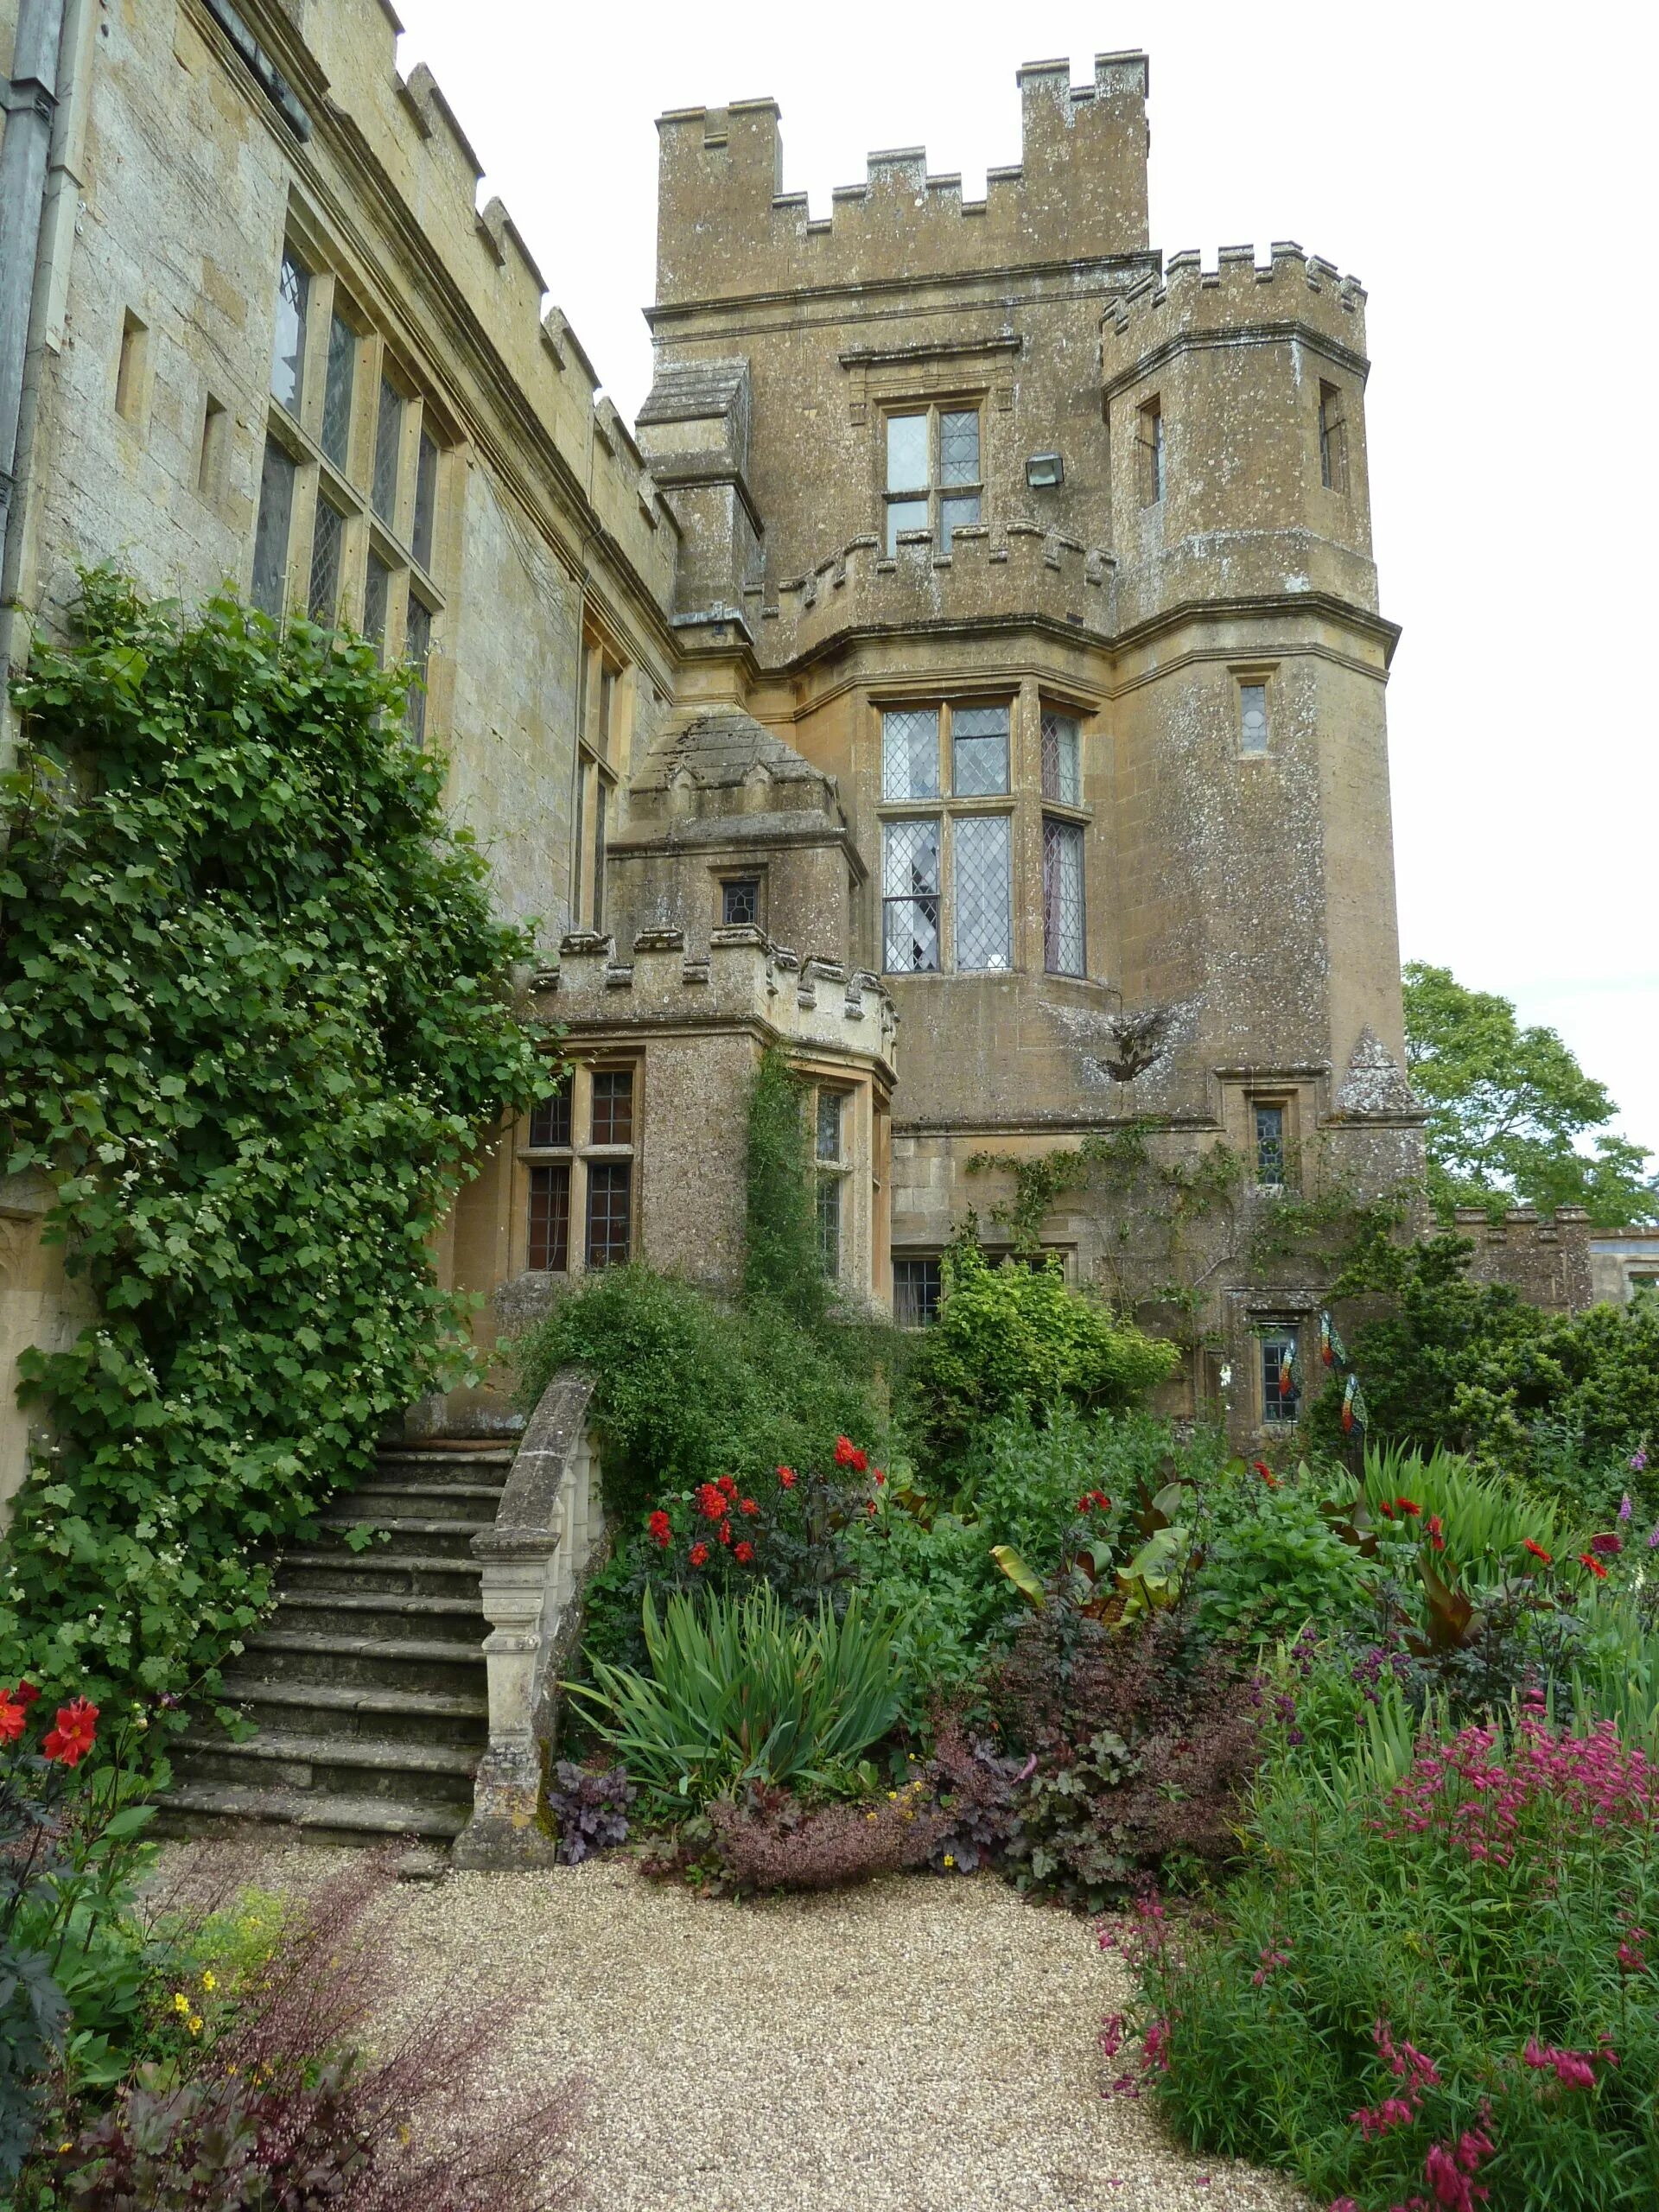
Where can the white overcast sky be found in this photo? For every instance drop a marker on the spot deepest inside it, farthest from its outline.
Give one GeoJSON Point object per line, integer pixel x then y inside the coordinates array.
{"type": "Point", "coordinates": [1486, 171]}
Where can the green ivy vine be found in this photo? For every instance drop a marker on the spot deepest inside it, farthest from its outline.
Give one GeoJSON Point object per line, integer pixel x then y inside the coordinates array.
{"type": "Point", "coordinates": [254, 1008]}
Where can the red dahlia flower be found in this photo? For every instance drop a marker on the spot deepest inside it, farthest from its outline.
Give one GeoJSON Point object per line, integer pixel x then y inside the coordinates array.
{"type": "Point", "coordinates": [699, 1554]}
{"type": "Point", "coordinates": [787, 1477]}
{"type": "Point", "coordinates": [1437, 1532]}
{"type": "Point", "coordinates": [743, 1554]}
{"type": "Point", "coordinates": [727, 1486]}
{"type": "Point", "coordinates": [1538, 1551]}
{"type": "Point", "coordinates": [1408, 1505]}
{"type": "Point", "coordinates": [711, 1503]}
{"type": "Point", "coordinates": [1589, 1559]}
{"type": "Point", "coordinates": [25, 1694]}
{"type": "Point", "coordinates": [12, 1720]}
{"type": "Point", "coordinates": [661, 1528]}
{"type": "Point", "coordinates": [724, 1532]}
{"type": "Point", "coordinates": [72, 1739]}
{"type": "Point", "coordinates": [1260, 1467]}
{"type": "Point", "coordinates": [848, 1455]}
{"type": "Point", "coordinates": [747, 1505]}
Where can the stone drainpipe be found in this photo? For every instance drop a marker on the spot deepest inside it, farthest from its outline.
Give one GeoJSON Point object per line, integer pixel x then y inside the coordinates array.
{"type": "Point", "coordinates": [31, 101]}
{"type": "Point", "coordinates": [537, 1557]}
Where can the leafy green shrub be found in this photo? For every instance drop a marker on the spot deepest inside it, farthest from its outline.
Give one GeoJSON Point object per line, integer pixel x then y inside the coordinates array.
{"type": "Point", "coordinates": [1273, 1570]}
{"type": "Point", "coordinates": [687, 1389]}
{"type": "Point", "coordinates": [1438, 1982]}
{"type": "Point", "coordinates": [1013, 1336]}
{"type": "Point", "coordinates": [1571, 1402]}
{"type": "Point", "coordinates": [740, 1692]}
{"type": "Point", "coordinates": [254, 1005]}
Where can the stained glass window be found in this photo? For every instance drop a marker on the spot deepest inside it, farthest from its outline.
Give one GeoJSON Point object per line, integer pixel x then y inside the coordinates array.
{"type": "Point", "coordinates": [739, 901]}
{"type": "Point", "coordinates": [1270, 1144]}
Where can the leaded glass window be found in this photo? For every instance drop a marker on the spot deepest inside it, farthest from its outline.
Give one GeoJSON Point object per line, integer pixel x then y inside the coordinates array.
{"type": "Point", "coordinates": [426, 500]}
{"type": "Point", "coordinates": [388, 448]}
{"type": "Point", "coordinates": [1253, 717]}
{"type": "Point", "coordinates": [830, 1104]}
{"type": "Point", "coordinates": [612, 1115]}
{"type": "Point", "coordinates": [916, 1288]}
{"type": "Point", "coordinates": [739, 901]}
{"type": "Point", "coordinates": [610, 1194]}
{"type": "Point", "coordinates": [830, 1224]}
{"type": "Point", "coordinates": [1282, 1396]}
{"type": "Point", "coordinates": [984, 936]}
{"type": "Point", "coordinates": [979, 746]}
{"type": "Point", "coordinates": [933, 474]}
{"type": "Point", "coordinates": [288, 346]}
{"type": "Point", "coordinates": [1062, 752]}
{"type": "Point", "coordinates": [1063, 910]}
{"type": "Point", "coordinates": [910, 901]}
{"type": "Point", "coordinates": [337, 391]}
{"type": "Point", "coordinates": [910, 753]}
{"type": "Point", "coordinates": [328, 538]}
{"type": "Point", "coordinates": [377, 598]}
{"type": "Point", "coordinates": [417, 651]}
{"type": "Point", "coordinates": [1270, 1144]}
{"type": "Point", "coordinates": [549, 1122]}
{"type": "Point", "coordinates": [270, 531]}
{"type": "Point", "coordinates": [548, 1226]}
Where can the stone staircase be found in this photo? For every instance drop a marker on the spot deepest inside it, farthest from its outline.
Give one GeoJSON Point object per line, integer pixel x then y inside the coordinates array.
{"type": "Point", "coordinates": [367, 1686]}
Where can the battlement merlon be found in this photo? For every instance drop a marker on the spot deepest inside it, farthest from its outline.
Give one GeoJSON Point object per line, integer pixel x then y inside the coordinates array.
{"type": "Point", "coordinates": [1190, 304]}
{"type": "Point", "coordinates": [726, 230]}
{"type": "Point", "coordinates": [810, 1006]}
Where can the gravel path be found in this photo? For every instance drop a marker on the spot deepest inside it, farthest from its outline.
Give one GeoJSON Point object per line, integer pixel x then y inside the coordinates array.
{"type": "Point", "coordinates": [914, 2045]}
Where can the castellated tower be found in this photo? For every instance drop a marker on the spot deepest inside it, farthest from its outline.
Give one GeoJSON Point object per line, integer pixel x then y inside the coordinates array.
{"type": "Point", "coordinates": [1054, 563]}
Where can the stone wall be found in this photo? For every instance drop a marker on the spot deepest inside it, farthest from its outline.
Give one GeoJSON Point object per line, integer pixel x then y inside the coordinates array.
{"type": "Point", "coordinates": [1545, 1260]}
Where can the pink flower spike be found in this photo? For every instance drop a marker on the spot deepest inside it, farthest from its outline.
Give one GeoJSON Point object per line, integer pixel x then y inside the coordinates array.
{"type": "Point", "coordinates": [1625, 1509]}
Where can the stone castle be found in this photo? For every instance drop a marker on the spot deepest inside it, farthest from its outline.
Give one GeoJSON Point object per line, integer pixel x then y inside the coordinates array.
{"type": "Point", "coordinates": [967, 674]}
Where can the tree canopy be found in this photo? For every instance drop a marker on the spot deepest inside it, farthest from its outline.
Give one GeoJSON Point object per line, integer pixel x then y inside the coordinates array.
{"type": "Point", "coordinates": [1510, 1109]}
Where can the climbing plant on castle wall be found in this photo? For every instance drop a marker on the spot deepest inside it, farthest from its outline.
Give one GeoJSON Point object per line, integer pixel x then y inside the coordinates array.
{"type": "Point", "coordinates": [253, 1008]}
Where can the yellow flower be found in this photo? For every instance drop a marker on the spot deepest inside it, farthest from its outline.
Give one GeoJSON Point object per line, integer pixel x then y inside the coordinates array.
{"type": "Point", "coordinates": [869, 1816]}
{"type": "Point", "coordinates": [195, 2024]}
{"type": "Point", "coordinates": [892, 1793]}
{"type": "Point", "coordinates": [949, 1860]}
{"type": "Point", "coordinates": [209, 1982]}
{"type": "Point", "coordinates": [181, 2002]}
{"type": "Point", "coordinates": [62, 2147]}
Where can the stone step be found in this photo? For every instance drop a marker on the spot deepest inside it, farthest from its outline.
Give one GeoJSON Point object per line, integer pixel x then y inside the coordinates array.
{"type": "Point", "coordinates": [372, 1502]}
{"type": "Point", "coordinates": [440, 1468]}
{"type": "Point", "coordinates": [340, 1766]}
{"type": "Point", "coordinates": [380, 1613]}
{"type": "Point", "coordinates": [203, 1807]}
{"type": "Point", "coordinates": [415, 1573]}
{"type": "Point", "coordinates": [366, 1709]}
{"type": "Point", "coordinates": [414, 1663]}
{"type": "Point", "coordinates": [451, 1539]}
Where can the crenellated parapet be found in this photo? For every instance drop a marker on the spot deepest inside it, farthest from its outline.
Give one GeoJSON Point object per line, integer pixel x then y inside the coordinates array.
{"type": "Point", "coordinates": [1190, 304]}
{"type": "Point", "coordinates": [727, 229]}
{"type": "Point", "coordinates": [345, 81]}
{"type": "Point", "coordinates": [1018, 572]}
{"type": "Point", "coordinates": [744, 981]}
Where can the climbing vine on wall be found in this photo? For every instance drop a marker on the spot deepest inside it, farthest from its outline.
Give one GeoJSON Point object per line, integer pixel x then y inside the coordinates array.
{"type": "Point", "coordinates": [1174, 1224]}
{"type": "Point", "coordinates": [253, 1009]}
{"type": "Point", "coordinates": [781, 1261]}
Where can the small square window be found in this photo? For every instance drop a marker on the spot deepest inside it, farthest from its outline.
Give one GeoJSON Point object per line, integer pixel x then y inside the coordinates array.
{"type": "Point", "coordinates": [613, 1122]}
{"type": "Point", "coordinates": [739, 901]}
{"type": "Point", "coordinates": [1270, 1145]}
{"type": "Point", "coordinates": [1282, 1396]}
{"type": "Point", "coordinates": [548, 1239]}
{"type": "Point", "coordinates": [1252, 717]}
{"type": "Point", "coordinates": [916, 1289]}
{"type": "Point", "coordinates": [550, 1123]}
{"type": "Point", "coordinates": [831, 1106]}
